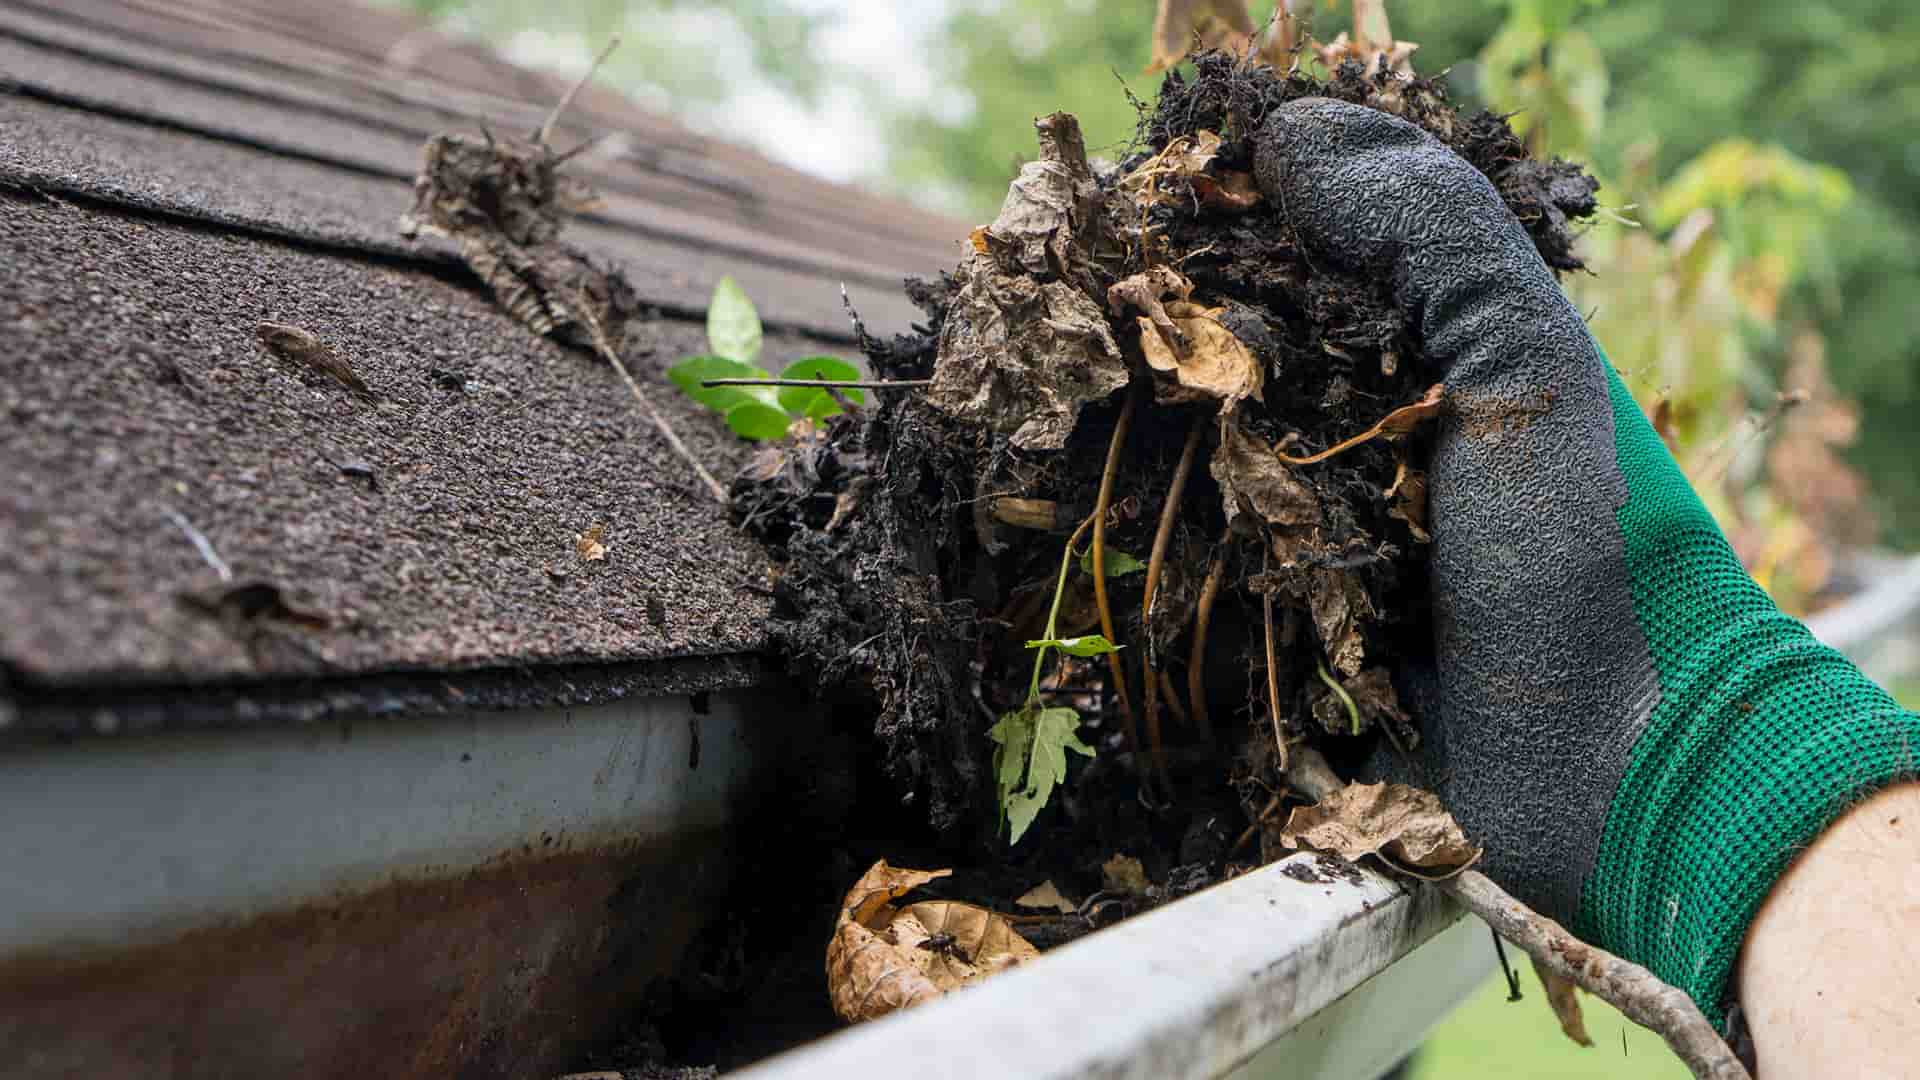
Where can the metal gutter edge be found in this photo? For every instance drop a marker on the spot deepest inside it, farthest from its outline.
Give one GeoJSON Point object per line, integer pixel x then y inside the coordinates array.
{"type": "Point", "coordinates": [1208, 986]}
{"type": "Point", "coordinates": [1859, 626]}
{"type": "Point", "coordinates": [477, 893]}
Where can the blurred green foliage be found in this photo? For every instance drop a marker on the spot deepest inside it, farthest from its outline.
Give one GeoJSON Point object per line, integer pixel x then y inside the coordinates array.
{"type": "Point", "coordinates": [678, 51]}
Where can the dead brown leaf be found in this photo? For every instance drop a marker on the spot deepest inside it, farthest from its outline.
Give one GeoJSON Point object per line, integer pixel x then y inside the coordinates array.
{"type": "Point", "coordinates": [1407, 500]}
{"type": "Point", "coordinates": [1144, 292]}
{"type": "Point", "coordinates": [1563, 997]}
{"type": "Point", "coordinates": [1023, 358]}
{"type": "Point", "coordinates": [1184, 158]}
{"type": "Point", "coordinates": [1232, 192]}
{"type": "Point", "coordinates": [1046, 896]}
{"type": "Point", "coordinates": [1124, 874]}
{"type": "Point", "coordinates": [1253, 481]}
{"type": "Point", "coordinates": [1374, 56]}
{"type": "Point", "coordinates": [1405, 826]}
{"type": "Point", "coordinates": [1338, 600]}
{"type": "Point", "coordinates": [589, 545]}
{"type": "Point", "coordinates": [1024, 345]}
{"type": "Point", "coordinates": [883, 958]}
{"type": "Point", "coordinates": [1048, 206]}
{"type": "Point", "coordinates": [1182, 27]}
{"type": "Point", "coordinates": [1215, 365]}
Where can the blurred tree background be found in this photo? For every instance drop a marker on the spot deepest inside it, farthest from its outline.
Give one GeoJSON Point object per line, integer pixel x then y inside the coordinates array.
{"type": "Point", "coordinates": [1760, 160]}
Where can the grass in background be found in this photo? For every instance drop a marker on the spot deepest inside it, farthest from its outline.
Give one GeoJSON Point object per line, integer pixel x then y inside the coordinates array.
{"type": "Point", "coordinates": [1489, 1038]}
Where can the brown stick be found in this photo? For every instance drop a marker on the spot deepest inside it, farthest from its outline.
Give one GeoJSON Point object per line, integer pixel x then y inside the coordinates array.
{"type": "Point", "coordinates": [1635, 991]}
{"type": "Point", "coordinates": [1155, 562]}
{"type": "Point", "coordinates": [1100, 559]}
{"type": "Point", "coordinates": [604, 347]}
{"type": "Point", "coordinates": [1196, 662]}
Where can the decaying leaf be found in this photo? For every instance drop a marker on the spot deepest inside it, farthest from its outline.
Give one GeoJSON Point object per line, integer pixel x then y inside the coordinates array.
{"type": "Point", "coordinates": [1186, 157]}
{"type": "Point", "coordinates": [1048, 205]}
{"type": "Point", "coordinates": [1407, 500]}
{"type": "Point", "coordinates": [1022, 357]}
{"type": "Point", "coordinates": [883, 958]}
{"type": "Point", "coordinates": [1338, 600]}
{"type": "Point", "coordinates": [1143, 292]}
{"type": "Point", "coordinates": [1375, 56]}
{"type": "Point", "coordinates": [1405, 826]}
{"type": "Point", "coordinates": [1563, 997]}
{"type": "Point", "coordinates": [1024, 346]}
{"type": "Point", "coordinates": [1046, 896]}
{"type": "Point", "coordinates": [1215, 365]}
{"type": "Point", "coordinates": [1124, 874]}
{"type": "Point", "coordinates": [1254, 481]}
{"type": "Point", "coordinates": [1182, 27]}
{"type": "Point", "coordinates": [1232, 192]}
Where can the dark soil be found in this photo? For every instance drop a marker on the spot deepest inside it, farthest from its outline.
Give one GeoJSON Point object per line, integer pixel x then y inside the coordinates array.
{"type": "Point", "coordinates": [898, 589]}
{"type": "Point", "coordinates": [904, 596]}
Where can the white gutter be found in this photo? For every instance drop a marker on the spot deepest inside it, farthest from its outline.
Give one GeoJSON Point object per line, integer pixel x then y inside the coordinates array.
{"type": "Point", "coordinates": [1284, 971]}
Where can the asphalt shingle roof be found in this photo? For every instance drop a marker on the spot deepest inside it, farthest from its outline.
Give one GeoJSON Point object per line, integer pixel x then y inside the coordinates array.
{"type": "Point", "coordinates": [167, 182]}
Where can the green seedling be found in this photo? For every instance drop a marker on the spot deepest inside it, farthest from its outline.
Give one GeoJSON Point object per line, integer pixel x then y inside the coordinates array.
{"type": "Point", "coordinates": [756, 412]}
{"type": "Point", "coordinates": [1031, 742]}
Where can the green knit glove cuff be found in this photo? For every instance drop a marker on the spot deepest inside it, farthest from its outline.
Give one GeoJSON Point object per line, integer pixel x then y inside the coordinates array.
{"type": "Point", "coordinates": [1759, 737]}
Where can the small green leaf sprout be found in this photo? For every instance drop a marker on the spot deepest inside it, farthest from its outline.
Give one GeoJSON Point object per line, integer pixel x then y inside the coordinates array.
{"type": "Point", "coordinates": [760, 413]}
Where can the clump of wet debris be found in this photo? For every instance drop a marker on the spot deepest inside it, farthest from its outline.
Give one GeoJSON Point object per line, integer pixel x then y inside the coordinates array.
{"type": "Point", "coordinates": [1145, 349]}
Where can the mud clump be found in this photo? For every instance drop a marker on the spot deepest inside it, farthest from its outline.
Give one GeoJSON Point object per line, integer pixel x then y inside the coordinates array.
{"type": "Point", "coordinates": [1263, 524]}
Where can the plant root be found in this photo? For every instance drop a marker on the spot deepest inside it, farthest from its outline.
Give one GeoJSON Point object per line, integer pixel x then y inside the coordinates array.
{"type": "Point", "coordinates": [1100, 508]}
{"type": "Point", "coordinates": [1203, 614]}
{"type": "Point", "coordinates": [1162, 536]}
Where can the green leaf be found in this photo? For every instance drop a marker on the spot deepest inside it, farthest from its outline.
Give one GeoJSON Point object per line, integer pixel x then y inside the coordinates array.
{"type": "Point", "coordinates": [1119, 563]}
{"type": "Point", "coordinates": [733, 327]}
{"type": "Point", "coordinates": [758, 420]}
{"type": "Point", "coordinates": [1054, 732]}
{"type": "Point", "coordinates": [1085, 645]}
{"type": "Point", "coordinates": [688, 373]}
{"type": "Point", "coordinates": [1021, 809]}
{"type": "Point", "coordinates": [812, 402]}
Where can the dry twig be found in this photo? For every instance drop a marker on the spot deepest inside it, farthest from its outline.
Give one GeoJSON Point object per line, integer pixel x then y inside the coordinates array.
{"type": "Point", "coordinates": [1638, 993]}
{"type": "Point", "coordinates": [604, 347]}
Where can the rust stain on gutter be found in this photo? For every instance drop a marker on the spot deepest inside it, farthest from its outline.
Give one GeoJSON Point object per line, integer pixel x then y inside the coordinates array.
{"type": "Point", "coordinates": [505, 970]}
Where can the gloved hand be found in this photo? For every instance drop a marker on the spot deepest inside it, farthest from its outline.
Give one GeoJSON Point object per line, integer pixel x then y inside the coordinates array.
{"type": "Point", "coordinates": [1640, 738]}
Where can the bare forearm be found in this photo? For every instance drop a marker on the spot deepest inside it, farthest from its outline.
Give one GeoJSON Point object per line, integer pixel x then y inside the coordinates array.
{"type": "Point", "coordinates": [1830, 973]}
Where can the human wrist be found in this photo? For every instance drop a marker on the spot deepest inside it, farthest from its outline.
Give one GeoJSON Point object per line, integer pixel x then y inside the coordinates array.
{"type": "Point", "coordinates": [1829, 976]}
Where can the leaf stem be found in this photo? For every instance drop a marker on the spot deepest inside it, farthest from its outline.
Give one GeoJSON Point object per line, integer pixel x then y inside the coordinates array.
{"type": "Point", "coordinates": [1353, 711]}
{"type": "Point", "coordinates": [825, 384]}
{"type": "Point", "coordinates": [1053, 613]}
